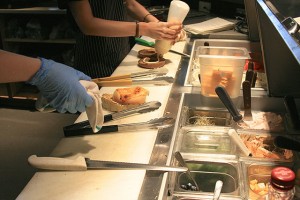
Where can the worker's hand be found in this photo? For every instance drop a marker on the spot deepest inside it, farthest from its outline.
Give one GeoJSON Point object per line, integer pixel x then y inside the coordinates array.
{"type": "Point", "coordinates": [181, 36]}
{"type": "Point", "coordinates": [162, 30]}
{"type": "Point", "coordinates": [59, 84]}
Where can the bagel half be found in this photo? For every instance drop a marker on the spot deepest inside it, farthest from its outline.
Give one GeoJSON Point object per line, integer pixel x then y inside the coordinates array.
{"type": "Point", "coordinates": [124, 98]}
{"type": "Point", "coordinates": [149, 52]}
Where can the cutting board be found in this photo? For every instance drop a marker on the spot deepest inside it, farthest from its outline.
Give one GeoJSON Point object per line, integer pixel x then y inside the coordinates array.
{"type": "Point", "coordinates": [134, 146]}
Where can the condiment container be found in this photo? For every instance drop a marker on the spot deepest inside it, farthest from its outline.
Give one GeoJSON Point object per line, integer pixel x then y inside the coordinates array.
{"type": "Point", "coordinates": [177, 13]}
{"type": "Point", "coordinates": [282, 184]}
{"type": "Point", "coordinates": [221, 66]}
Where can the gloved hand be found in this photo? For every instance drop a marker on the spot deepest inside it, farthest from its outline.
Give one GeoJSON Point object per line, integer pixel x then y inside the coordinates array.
{"type": "Point", "coordinates": [59, 84]}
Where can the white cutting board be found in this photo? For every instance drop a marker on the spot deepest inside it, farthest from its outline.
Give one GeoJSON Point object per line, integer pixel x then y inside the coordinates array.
{"type": "Point", "coordinates": [134, 146]}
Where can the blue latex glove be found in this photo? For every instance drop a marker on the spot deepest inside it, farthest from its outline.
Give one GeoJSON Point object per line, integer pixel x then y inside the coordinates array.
{"type": "Point", "coordinates": [59, 84]}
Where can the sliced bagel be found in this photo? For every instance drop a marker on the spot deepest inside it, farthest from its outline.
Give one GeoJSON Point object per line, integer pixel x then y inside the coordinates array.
{"type": "Point", "coordinates": [124, 98]}
{"type": "Point", "coordinates": [109, 104]}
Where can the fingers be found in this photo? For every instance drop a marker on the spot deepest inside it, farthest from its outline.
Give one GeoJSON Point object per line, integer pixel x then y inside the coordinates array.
{"type": "Point", "coordinates": [170, 30]}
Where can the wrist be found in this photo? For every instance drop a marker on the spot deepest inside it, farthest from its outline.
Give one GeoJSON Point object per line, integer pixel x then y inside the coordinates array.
{"type": "Point", "coordinates": [40, 73]}
{"type": "Point", "coordinates": [143, 26]}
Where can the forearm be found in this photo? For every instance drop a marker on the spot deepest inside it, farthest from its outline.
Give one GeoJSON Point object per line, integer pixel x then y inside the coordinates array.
{"type": "Point", "coordinates": [139, 12]}
{"type": "Point", "coordinates": [17, 68]}
{"type": "Point", "coordinates": [90, 25]}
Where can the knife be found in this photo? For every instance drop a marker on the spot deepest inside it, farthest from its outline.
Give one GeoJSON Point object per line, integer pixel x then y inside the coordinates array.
{"type": "Point", "coordinates": [165, 80]}
{"type": "Point", "coordinates": [226, 100]}
{"type": "Point", "coordinates": [250, 73]}
{"type": "Point", "coordinates": [247, 100]}
{"type": "Point", "coordinates": [158, 123]}
{"type": "Point", "coordinates": [152, 44]}
{"type": "Point", "coordinates": [83, 164]}
{"type": "Point", "coordinates": [85, 125]}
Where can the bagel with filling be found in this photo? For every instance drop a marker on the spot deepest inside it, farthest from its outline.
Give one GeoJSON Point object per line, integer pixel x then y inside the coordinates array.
{"type": "Point", "coordinates": [149, 52]}
{"type": "Point", "coordinates": [149, 63]}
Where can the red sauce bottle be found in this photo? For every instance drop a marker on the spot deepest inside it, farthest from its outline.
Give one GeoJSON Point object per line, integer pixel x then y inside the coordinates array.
{"type": "Point", "coordinates": [282, 184]}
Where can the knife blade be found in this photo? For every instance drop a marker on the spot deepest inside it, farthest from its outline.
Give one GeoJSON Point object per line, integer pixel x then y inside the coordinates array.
{"type": "Point", "coordinates": [85, 126]}
{"type": "Point", "coordinates": [159, 123]}
{"type": "Point", "coordinates": [164, 80]}
{"type": "Point", "coordinates": [152, 44]}
{"type": "Point", "coordinates": [247, 100]}
{"type": "Point", "coordinates": [226, 100]}
{"type": "Point", "coordinates": [82, 164]}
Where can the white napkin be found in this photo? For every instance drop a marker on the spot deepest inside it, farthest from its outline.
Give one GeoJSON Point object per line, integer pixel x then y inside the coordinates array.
{"type": "Point", "coordinates": [94, 112]}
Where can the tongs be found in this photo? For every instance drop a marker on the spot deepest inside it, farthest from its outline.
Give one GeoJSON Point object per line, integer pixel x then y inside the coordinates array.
{"type": "Point", "coordinates": [84, 126]}
{"type": "Point", "coordinates": [158, 123]}
{"type": "Point", "coordinates": [151, 72]}
{"type": "Point", "coordinates": [163, 80]}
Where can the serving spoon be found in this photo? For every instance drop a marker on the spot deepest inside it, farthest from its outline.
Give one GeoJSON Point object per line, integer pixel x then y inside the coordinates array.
{"type": "Point", "coordinates": [181, 161]}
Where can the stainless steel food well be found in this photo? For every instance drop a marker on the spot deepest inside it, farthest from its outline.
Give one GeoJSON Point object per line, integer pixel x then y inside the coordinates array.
{"type": "Point", "coordinates": [261, 145]}
{"type": "Point", "coordinates": [256, 177]}
{"type": "Point", "coordinates": [207, 173]}
{"type": "Point", "coordinates": [206, 142]}
{"type": "Point", "coordinates": [206, 117]}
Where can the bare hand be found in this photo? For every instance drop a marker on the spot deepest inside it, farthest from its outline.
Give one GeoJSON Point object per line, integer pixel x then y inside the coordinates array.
{"type": "Point", "coordinates": [163, 30]}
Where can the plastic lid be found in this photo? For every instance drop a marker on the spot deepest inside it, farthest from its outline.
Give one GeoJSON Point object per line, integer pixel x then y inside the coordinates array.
{"type": "Point", "coordinates": [282, 178]}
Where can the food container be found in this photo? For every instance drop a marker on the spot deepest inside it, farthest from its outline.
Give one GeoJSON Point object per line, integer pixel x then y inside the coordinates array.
{"type": "Point", "coordinates": [265, 122]}
{"type": "Point", "coordinates": [206, 174]}
{"type": "Point", "coordinates": [262, 147]}
{"type": "Point", "coordinates": [203, 117]}
{"type": "Point", "coordinates": [257, 176]}
{"type": "Point", "coordinates": [207, 143]}
{"type": "Point", "coordinates": [222, 66]}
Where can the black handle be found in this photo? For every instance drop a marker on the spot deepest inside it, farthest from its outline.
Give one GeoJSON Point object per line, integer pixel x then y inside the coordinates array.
{"type": "Point", "coordinates": [89, 131]}
{"type": "Point", "coordinates": [287, 143]}
{"type": "Point", "coordinates": [247, 94]}
{"type": "Point", "coordinates": [291, 108]}
{"type": "Point", "coordinates": [83, 128]}
{"type": "Point", "coordinates": [226, 100]}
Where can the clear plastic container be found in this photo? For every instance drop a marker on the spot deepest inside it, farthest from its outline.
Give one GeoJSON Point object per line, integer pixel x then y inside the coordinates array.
{"type": "Point", "coordinates": [221, 66]}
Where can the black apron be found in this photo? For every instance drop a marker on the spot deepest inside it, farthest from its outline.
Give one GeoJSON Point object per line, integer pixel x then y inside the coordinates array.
{"type": "Point", "coordinates": [100, 56]}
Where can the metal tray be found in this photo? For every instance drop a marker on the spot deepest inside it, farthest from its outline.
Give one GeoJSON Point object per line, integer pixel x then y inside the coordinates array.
{"type": "Point", "coordinates": [258, 173]}
{"type": "Point", "coordinates": [263, 149]}
{"type": "Point", "coordinates": [205, 142]}
{"type": "Point", "coordinates": [206, 173]}
{"type": "Point", "coordinates": [201, 117]}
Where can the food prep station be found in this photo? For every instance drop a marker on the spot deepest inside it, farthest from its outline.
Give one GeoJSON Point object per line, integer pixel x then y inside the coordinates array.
{"type": "Point", "coordinates": [200, 134]}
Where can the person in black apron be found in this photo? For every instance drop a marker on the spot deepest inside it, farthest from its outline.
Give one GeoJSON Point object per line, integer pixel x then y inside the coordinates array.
{"type": "Point", "coordinates": [103, 40]}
